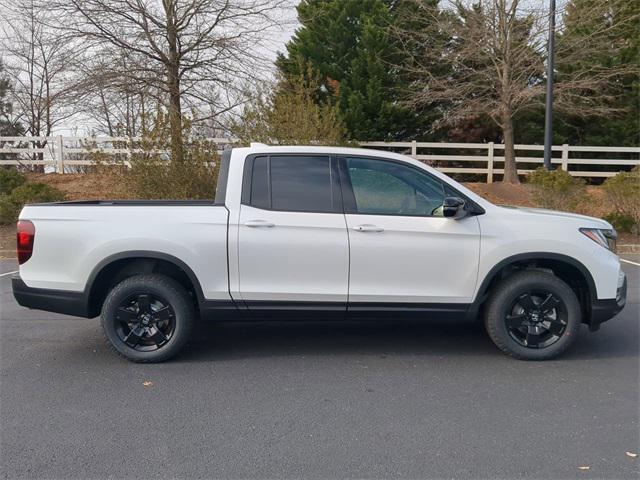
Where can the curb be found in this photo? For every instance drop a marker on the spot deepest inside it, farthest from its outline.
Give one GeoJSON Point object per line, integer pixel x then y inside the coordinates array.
{"type": "Point", "coordinates": [629, 248]}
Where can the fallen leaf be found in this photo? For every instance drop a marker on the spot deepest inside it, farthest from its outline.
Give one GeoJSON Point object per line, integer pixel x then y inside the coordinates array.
{"type": "Point", "coordinates": [584, 468]}
{"type": "Point", "coordinates": [147, 384]}
{"type": "Point", "coordinates": [632, 455]}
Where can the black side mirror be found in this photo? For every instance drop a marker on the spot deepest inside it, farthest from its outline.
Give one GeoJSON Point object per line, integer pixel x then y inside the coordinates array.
{"type": "Point", "coordinates": [453, 207]}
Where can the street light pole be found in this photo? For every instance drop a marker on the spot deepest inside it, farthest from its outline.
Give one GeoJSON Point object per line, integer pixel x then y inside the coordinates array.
{"type": "Point", "coordinates": [548, 115]}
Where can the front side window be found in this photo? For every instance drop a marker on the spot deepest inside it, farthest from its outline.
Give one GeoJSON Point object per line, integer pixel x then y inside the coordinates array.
{"type": "Point", "coordinates": [389, 188]}
{"type": "Point", "coordinates": [294, 183]}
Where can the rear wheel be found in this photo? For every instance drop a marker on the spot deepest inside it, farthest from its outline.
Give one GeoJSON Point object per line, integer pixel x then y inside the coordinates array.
{"type": "Point", "coordinates": [533, 315]}
{"type": "Point", "coordinates": [147, 318]}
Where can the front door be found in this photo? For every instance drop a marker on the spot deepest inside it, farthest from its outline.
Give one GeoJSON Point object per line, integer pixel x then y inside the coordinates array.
{"type": "Point", "coordinates": [293, 244]}
{"type": "Point", "coordinates": [403, 252]}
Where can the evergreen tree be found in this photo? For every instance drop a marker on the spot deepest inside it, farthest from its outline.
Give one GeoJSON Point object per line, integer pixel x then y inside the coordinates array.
{"type": "Point", "coordinates": [8, 126]}
{"type": "Point", "coordinates": [348, 43]}
{"type": "Point", "coordinates": [620, 46]}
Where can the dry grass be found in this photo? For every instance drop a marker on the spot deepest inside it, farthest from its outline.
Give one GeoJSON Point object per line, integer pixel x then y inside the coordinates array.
{"type": "Point", "coordinates": [93, 186]}
{"type": "Point", "coordinates": [84, 186]}
{"type": "Point", "coordinates": [503, 193]}
{"type": "Point", "coordinates": [520, 195]}
{"type": "Point", "coordinates": [105, 186]}
{"type": "Point", "coordinates": [7, 241]}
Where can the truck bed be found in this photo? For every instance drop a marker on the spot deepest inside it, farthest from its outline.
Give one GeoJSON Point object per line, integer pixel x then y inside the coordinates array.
{"type": "Point", "coordinates": [72, 239]}
{"type": "Point", "coordinates": [139, 203]}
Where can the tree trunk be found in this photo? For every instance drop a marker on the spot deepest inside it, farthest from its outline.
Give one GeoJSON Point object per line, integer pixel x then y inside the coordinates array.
{"type": "Point", "coordinates": [105, 108]}
{"type": "Point", "coordinates": [143, 116]}
{"type": "Point", "coordinates": [173, 74]}
{"type": "Point", "coordinates": [510, 168]}
{"type": "Point", "coordinates": [175, 116]}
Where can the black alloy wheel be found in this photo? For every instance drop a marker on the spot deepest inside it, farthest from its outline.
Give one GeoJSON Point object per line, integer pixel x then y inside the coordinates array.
{"type": "Point", "coordinates": [536, 319]}
{"type": "Point", "coordinates": [533, 315]}
{"type": "Point", "coordinates": [145, 322]}
{"type": "Point", "coordinates": [148, 317]}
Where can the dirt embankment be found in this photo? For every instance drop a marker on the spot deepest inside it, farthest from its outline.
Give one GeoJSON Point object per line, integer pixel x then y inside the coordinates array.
{"type": "Point", "coordinates": [520, 195]}
{"type": "Point", "coordinates": [7, 241]}
{"type": "Point", "coordinates": [83, 186]}
{"type": "Point", "coordinates": [94, 186]}
{"type": "Point", "coordinates": [78, 186]}
{"type": "Point", "coordinates": [503, 194]}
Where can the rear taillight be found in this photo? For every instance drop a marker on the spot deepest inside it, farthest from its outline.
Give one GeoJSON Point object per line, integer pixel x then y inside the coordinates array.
{"type": "Point", "coordinates": [25, 236]}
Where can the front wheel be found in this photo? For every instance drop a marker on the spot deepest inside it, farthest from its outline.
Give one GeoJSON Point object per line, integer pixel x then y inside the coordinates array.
{"type": "Point", "coordinates": [533, 315]}
{"type": "Point", "coordinates": [147, 318]}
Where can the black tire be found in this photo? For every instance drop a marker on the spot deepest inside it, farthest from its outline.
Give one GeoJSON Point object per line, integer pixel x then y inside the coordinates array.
{"type": "Point", "coordinates": [519, 321]}
{"type": "Point", "coordinates": [147, 318]}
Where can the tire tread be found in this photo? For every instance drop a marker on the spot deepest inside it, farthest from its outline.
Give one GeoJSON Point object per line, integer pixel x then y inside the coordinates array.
{"type": "Point", "coordinates": [158, 281]}
{"type": "Point", "coordinates": [493, 314]}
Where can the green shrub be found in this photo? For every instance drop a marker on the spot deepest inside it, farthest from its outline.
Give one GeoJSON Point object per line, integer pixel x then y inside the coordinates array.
{"type": "Point", "coordinates": [621, 222]}
{"type": "Point", "coordinates": [290, 114]}
{"type": "Point", "coordinates": [623, 193]}
{"type": "Point", "coordinates": [152, 178]}
{"type": "Point", "coordinates": [10, 178]}
{"type": "Point", "coordinates": [12, 203]}
{"type": "Point", "coordinates": [556, 189]}
{"type": "Point", "coordinates": [150, 173]}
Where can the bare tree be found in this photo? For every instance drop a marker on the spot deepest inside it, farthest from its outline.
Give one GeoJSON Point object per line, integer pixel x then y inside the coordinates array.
{"type": "Point", "coordinates": [37, 62]}
{"type": "Point", "coordinates": [115, 102]}
{"type": "Point", "coordinates": [179, 49]}
{"type": "Point", "coordinates": [487, 59]}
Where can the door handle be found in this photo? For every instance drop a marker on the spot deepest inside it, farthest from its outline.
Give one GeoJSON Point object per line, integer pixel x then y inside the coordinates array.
{"type": "Point", "coordinates": [368, 228]}
{"type": "Point", "coordinates": [259, 223]}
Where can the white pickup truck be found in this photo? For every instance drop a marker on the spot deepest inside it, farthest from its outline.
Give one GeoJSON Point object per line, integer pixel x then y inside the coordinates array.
{"type": "Point", "coordinates": [320, 232]}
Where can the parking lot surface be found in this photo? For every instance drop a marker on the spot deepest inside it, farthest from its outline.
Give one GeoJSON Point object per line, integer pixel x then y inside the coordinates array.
{"type": "Point", "coordinates": [316, 400]}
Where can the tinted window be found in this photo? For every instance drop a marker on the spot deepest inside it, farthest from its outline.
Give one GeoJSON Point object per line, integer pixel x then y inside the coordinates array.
{"type": "Point", "coordinates": [292, 183]}
{"type": "Point", "coordinates": [389, 188]}
{"type": "Point", "coordinates": [301, 184]}
{"type": "Point", "coordinates": [260, 184]}
{"type": "Point", "coordinates": [223, 177]}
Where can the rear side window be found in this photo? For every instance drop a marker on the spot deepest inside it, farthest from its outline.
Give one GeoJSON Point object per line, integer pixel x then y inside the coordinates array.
{"type": "Point", "coordinates": [294, 183]}
{"type": "Point", "coordinates": [301, 184]}
{"type": "Point", "coordinates": [260, 195]}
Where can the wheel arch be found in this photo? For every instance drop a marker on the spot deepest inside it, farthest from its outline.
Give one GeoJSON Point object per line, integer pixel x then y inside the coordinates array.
{"type": "Point", "coordinates": [570, 270]}
{"type": "Point", "coordinates": [119, 266]}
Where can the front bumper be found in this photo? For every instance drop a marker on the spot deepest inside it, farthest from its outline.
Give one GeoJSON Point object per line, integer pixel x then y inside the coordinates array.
{"type": "Point", "coordinates": [58, 301]}
{"type": "Point", "coordinates": [603, 310]}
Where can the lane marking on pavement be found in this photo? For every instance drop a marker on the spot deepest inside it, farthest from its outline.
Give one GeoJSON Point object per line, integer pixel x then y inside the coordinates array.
{"type": "Point", "coordinates": [8, 273]}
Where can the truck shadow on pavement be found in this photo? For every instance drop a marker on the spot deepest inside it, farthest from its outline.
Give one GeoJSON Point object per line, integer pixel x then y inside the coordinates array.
{"type": "Point", "coordinates": [299, 338]}
{"type": "Point", "coordinates": [227, 341]}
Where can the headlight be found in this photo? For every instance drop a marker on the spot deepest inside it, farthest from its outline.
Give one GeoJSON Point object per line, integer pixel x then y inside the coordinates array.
{"type": "Point", "coordinates": [604, 237]}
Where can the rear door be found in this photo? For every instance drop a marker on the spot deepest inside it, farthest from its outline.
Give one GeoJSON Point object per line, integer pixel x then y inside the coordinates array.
{"type": "Point", "coordinates": [293, 244]}
{"type": "Point", "coordinates": [403, 253]}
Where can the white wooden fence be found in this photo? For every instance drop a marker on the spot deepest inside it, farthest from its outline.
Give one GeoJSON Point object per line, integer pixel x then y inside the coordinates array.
{"type": "Point", "coordinates": [64, 153]}
{"type": "Point", "coordinates": [481, 158]}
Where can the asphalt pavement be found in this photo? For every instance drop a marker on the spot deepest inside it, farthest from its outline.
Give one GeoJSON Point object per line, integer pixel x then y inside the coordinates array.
{"type": "Point", "coordinates": [316, 400]}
